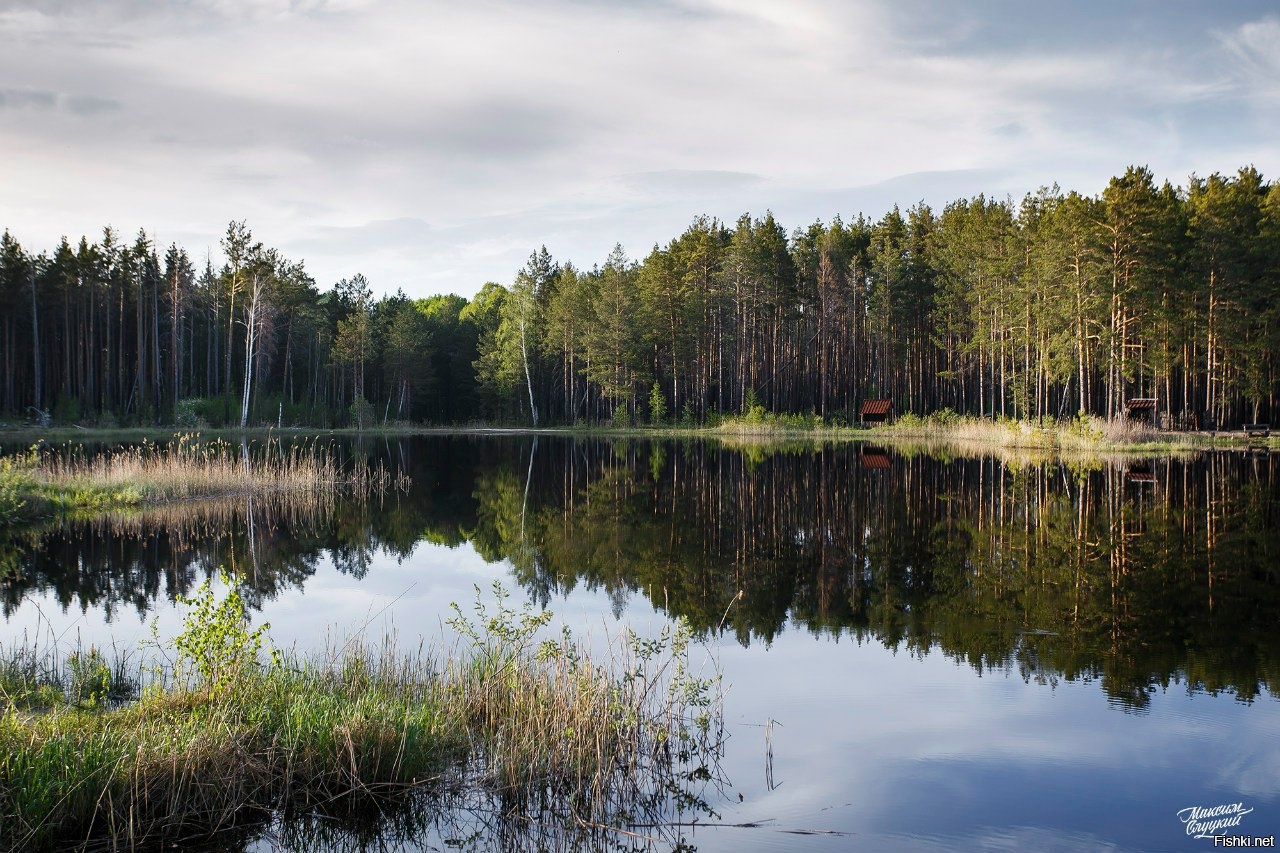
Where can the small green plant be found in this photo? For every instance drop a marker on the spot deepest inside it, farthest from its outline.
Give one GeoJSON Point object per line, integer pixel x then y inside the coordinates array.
{"type": "Point", "coordinates": [216, 646]}
{"type": "Point", "coordinates": [945, 417]}
{"type": "Point", "coordinates": [1082, 426]}
{"type": "Point", "coordinates": [15, 481]}
{"type": "Point", "coordinates": [752, 409]}
{"type": "Point", "coordinates": [89, 677]}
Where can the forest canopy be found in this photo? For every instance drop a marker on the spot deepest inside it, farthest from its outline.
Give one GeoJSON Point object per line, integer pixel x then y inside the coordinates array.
{"type": "Point", "coordinates": [1058, 304]}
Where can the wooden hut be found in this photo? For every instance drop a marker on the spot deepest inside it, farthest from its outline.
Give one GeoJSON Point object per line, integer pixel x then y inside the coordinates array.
{"type": "Point", "coordinates": [1143, 409]}
{"type": "Point", "coordinates": [876, 411]}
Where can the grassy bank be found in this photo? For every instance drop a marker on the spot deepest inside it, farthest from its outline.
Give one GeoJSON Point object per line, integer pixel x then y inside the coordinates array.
{"type": "Point", "coordinates": [42, 482]}
{"type": "Point", "coordinates": [1083, 435]}
{"type": "Point", "coordinates": [1076, 434]}
{"type": "Point", "coordinates": [231, 733]}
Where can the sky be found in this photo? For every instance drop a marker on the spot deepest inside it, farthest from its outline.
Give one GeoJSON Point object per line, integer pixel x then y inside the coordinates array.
{"type": "Point", "coordinates": [434, 146]}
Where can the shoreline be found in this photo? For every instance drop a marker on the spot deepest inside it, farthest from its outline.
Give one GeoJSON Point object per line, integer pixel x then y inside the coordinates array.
{"type": "Point", "coordinates": [1012, 435]}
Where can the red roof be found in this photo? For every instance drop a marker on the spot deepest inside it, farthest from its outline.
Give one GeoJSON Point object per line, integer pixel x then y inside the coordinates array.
{"type": "Point", "coordinates": [876, 407]}
{"type": "Point", "coordinates": [1139, 404]}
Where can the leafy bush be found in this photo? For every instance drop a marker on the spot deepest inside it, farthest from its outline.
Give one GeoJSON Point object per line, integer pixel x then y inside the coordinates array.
{"type": "Point", "coordinates": [945, 417]}
{"type": "Point", "coordinates": [361, 413]}
{"type": "Point", "coordinates": [200, 412]}
{"type": "Point", "coordinates": [216, 646]}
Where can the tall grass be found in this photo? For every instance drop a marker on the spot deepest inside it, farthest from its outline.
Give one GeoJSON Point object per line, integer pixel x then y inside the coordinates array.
{"type": "Point", "coordinates": [548, 733]}
{"type": "Point", "coordinates": [1085, 433]}
{"type": "Point", "coordinates": [42, 482]}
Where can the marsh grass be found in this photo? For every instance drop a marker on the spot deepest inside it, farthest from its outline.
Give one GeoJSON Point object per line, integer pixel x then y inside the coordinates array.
{"type": "Point", "coordinates": [1083, 434]}
{"type": "Point", "coordinates": [543, 731]}
{"type": "Point", "coordinates": [42, 482]}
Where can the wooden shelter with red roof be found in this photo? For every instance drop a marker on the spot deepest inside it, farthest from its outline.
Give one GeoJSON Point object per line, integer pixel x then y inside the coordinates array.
{"type": "Point", "coordinates": [1143, 409]}
{"type": "Point", "coordinates": [876, 411]}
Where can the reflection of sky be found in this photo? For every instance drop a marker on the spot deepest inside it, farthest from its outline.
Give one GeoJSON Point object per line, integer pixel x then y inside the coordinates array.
{"type": "Point", "coordinates": [900, 752]}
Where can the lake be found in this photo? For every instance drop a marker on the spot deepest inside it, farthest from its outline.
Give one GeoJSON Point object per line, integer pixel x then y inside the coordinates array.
{"type": "Point", "coordinates": [923, 650]}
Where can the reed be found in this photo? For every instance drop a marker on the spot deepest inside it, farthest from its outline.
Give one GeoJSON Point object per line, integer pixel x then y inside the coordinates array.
{"type": "Point", "coordinates": [42, 482]}
{"type": "Point", "coordinates": [543, 729]}
{"type": "Point", "coordinates": [1084, 433]}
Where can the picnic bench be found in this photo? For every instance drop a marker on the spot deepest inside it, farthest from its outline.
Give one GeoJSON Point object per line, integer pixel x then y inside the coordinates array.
{"type": "Point", "coordinates": [1257, 430]}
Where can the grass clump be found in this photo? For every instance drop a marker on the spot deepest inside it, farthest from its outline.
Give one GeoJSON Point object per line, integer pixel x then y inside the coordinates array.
{"type": "Point", "coordinates": [232, 734]}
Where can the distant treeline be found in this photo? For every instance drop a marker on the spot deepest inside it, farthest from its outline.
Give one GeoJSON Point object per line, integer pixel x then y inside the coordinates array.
{"type": "Point", "coordinates": [1040, 309]}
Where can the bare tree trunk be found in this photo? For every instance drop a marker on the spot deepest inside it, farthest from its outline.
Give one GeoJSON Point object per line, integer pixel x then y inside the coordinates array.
{"type": "Point", "coordinates": [251, 334]}
{"type": "Point", "coordinates": [524, 353]}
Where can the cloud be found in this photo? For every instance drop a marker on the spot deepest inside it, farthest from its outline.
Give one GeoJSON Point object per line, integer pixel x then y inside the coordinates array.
{"type": "Point", "coordinates": [582, 122]}
{"type": "Point", "coordinates": [35, 99]}
{"type": "Point", "coordinates": [1254, 52]}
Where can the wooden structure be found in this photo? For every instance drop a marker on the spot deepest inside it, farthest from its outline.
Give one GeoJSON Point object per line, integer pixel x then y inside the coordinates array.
{"type": "Point", "coordinates": [1143, 409]}
{"type": "Point", "coordinates": [1257, 430]}
{"type": "Point", "coordinates": [876, 411]}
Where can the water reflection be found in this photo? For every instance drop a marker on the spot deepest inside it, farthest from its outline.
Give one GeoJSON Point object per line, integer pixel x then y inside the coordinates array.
{"type": "Point", "coordinates": [1135, 574]}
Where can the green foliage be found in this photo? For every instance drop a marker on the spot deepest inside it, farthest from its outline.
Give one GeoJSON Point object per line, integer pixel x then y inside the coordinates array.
{"type": "Point", "coordinates": [1082, 425]}
{"type": "Point", "coordinates": [502, 637]}
{"type": "Point", "coordinates": [945, 417]}
{"type": "Point", "coordinates": [752, 409]}
{"type": "Point", "coordinates": [67, 409]}
{"type": "Point", "coordinates": [361, 412]}
{"type": "Point", "coordinates": [657, 405]}
{"type": "Point", "coordinates": [216, 649]}
{"type": "Point", "coordinates": [201, 412]}
{"type": "Point", "coordinates": [16, 484]}
{"type": "Point", "coordinates": [90, 677]}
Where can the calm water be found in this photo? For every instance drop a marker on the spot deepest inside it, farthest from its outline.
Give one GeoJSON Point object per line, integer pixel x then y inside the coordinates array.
{"type": "Point", "coordinates": [924, 652]}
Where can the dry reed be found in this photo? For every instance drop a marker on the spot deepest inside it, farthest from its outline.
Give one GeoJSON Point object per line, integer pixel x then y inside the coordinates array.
{"type": "Point", "coordinates": [44, 481]}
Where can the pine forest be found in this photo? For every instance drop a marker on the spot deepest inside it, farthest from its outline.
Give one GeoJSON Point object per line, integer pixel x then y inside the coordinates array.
{"type": "Point", "coordinates": [1036, 309]}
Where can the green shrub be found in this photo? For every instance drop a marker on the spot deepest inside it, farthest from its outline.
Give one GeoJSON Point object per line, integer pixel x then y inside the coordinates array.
{"type": "Point", "coordinates": [945, 417]}
{"type": "Point", "coordinates": [361, 412]}
{"type": "Point", "coordinates": [67, 409]}
{"type": "Point", "coordinates": [216, 648]}
{"type": "Point", "coordinates": [89, 677]}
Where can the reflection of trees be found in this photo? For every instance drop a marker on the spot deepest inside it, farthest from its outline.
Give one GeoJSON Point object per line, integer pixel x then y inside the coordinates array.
{"type": "Point", "coordinates": [1137, 576]}
{"type": "Point", "coordinates": [129, 560]}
